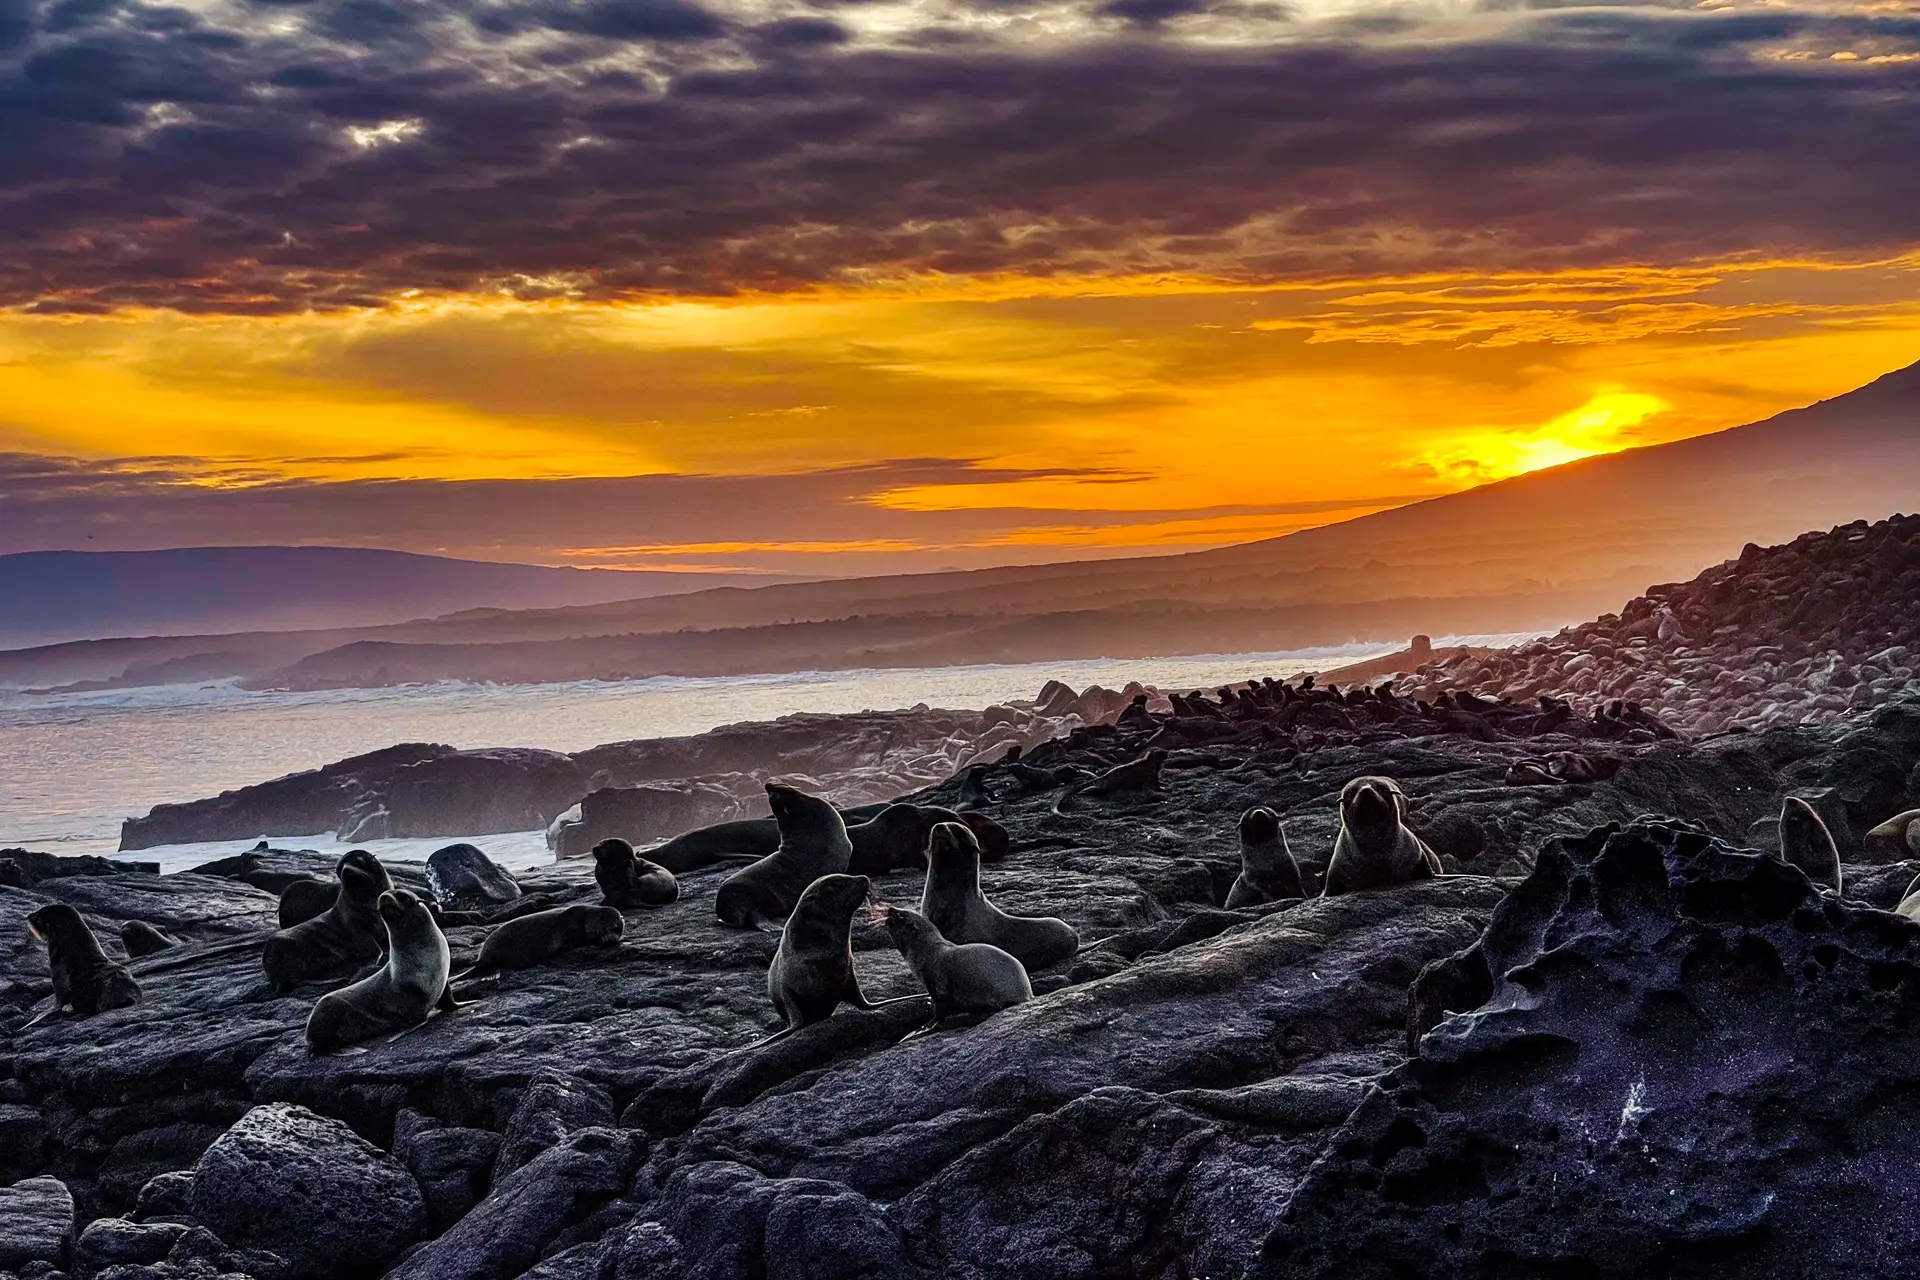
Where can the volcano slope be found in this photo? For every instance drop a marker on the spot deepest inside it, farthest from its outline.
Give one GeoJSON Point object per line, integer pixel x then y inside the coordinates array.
{"type": "Point", "coordinates": [1198, 1092]}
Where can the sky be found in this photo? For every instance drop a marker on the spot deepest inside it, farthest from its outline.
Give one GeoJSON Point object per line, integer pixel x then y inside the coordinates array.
{"type": "Point", "coordinates": [866, 286]}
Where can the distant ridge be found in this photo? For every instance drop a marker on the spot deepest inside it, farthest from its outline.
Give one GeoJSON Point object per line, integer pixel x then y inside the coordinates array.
{"type": "Point", "coordinates": [55, 596]}
{"type": "Point", "coordinates": [1531, 553]}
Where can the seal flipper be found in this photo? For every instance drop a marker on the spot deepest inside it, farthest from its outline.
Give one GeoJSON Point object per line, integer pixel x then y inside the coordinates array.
{"type": "Point", "coordinates": [40, 1018]}
{"type": "Point", "coordinates": [781, 1034]}
{"type": "Point", "coordinates": [446, 1001]}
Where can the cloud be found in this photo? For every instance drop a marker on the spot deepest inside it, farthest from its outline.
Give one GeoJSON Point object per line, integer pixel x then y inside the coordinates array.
{"type": "Point", "coordinates": [745, 522]}
{"type": "Point", "coordinates": [267, 158]}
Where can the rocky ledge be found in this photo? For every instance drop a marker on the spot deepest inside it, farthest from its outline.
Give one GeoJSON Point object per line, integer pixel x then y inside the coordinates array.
{"type": "Point", "coordinates": [655, 788]}
{"type": "Point", "coordinates": [1781, 635]}
{"type": "Point", "coordinates": [1602, 1045]}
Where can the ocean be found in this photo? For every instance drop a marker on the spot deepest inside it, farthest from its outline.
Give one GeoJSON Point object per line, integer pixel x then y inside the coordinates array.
{"type": "Point", "coordinates": [75, 765]}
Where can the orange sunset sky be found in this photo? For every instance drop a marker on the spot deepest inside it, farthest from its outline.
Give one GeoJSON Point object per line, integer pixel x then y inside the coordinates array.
{"type": "Point", "coordinates": [832, 289]}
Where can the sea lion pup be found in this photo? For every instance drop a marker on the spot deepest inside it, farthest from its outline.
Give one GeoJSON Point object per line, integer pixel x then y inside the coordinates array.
{"type": "Point", "coordinates": [972, 979]}
{"type": "Point", "coordinates": [532, 940]}
{"type": "Point", "coordinates": [1135, 775]}
{"type": "Point", "coordinates": [952, 900]}
{"type": "Point", "coordinates": [142, 939]}
{"type": "Point", "coordinates": [1268, 872]}
{"type": "Point", "coordinates": [812, 971]}
{"type": "Point", "coordinates": [84, 980]}
{"type": "Point", "coordinates": [1374, 848]}
{"type": "Point", "coordinates": [895, 839]}
{"type": "Point", "coordinates": [301, 900]}
{"type": "Point", "coordinates": [349, 936]}
{"type": "Point", "coordinates": [400, 995]}
{"type": "Point", "coordinates": [1806, 843]}
{"type": "Point", "coordinates": [813, 843]}
{"type": "Point", "coordinates": [974, 793]}
{"type": "Point", "coordinates": [628, 880]}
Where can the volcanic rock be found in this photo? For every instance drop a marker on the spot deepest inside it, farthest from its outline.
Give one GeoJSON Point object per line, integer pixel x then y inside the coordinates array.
{"type": "Point", "coordinates": [309, 1189]}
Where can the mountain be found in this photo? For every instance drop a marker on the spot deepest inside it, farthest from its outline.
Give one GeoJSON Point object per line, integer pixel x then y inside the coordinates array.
{"type": "Point", "coordinates": [1532, 552]}
{"type": "Point", "coordinates": [54, 596]}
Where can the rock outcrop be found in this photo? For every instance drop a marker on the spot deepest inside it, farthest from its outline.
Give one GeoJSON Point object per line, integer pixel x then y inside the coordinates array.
{"type": "Point", "coordinates": [1782, 635]}
{"type": "Point", "coordinates": [662, 786]}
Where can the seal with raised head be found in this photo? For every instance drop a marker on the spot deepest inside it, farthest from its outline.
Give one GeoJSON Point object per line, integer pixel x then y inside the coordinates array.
{"type": "Point", "coordinates": [812, 971]}
{"type": "Point", "coordinates": [1268, 872]}
{"type": "Point", "coordinates": [400, 995]}
{"type": "Point", "coordinates": [628, 880]}
{"type": "Point", "coordinates": [953, 901]}
{"type": "Point", "coordinates": [1806, 843]}
{"type": "Point", "coordinates": [895, 839]}
{"type": "Point", "coordinates": [532, 940]}
{"type": "Point", "coordinates": [1374, 848]}
{"type": "Point", "coordinates": [972, 979]}
{"type": "Point", "coordinates": [1142, 774]}
{"type": "Point", "coordinates": [142, 939]}
{"type": "Point", "coordinates": [84, 979]}
{"type": "Point", "coordinates": [813, 843]}
{"type": "Point", "coordinates": [348, 937]}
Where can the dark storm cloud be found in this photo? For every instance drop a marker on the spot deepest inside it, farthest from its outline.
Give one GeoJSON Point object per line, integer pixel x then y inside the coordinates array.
{"type": "Point", "coordinates": [610, 148]}
{"type": "Point", "coordinates": [51, 503]}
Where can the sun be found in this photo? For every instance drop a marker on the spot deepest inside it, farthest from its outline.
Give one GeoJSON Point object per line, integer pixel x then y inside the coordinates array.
{"type": "Point", "coordinates": [1602, 425]}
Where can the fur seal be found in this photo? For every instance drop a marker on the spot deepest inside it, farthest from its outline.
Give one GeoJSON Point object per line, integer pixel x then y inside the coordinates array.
{"type": "Point", "coordinates": [1898, 837]}
{"type": "Point", "coordinates": [1374, 848]}
{"type": "Point", "coordinates": [969, 979]}
{"type": "Point", "coordinates": [1910, 901]}
{"type": "Point", "coordinates": [1142, 774]}
{"type": "Point", "coordinates": [1268, 872]}
{"type": "Point", "coordinates": [628, 880]}
{"type": "Point", "coordinates": [301, 900]}
{"type": "Point", "coordinates": [349, 936]}
{"type": "Point", "coordinates": [399, 996]}
{"type": "Point", "coordinates": [532, 940]}
{"type": "Point", "coordinates": [995, 843]}
{"type": "Point", "coordinates": [952, 900]}
{"type": "Point", "coordinates": [813, 843]}
{"type": "Point", "coordinates": [142, 939]}
{"type": "Point", "coordinates": [974, 792]}
{"type": "Point", "coordinates": [812, 971]}
{"type": "Point", "coordinates": [895, 839]}
{"type": "Point", "coordinates": [84, 980]}
{"type": "Point", "coordinates": [1806, 843]}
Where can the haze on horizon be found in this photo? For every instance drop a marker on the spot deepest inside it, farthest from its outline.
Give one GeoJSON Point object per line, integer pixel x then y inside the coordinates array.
{"type": "Point", "coordinates": [865, 288]}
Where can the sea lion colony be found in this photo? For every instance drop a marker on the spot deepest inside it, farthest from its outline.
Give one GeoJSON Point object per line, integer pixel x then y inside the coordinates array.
{"type": "Point", "coordinates": [801, 888]}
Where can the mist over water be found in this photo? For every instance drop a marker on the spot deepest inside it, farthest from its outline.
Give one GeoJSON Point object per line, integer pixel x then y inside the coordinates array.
{"type": "Point", "coordinates": [76, 765]}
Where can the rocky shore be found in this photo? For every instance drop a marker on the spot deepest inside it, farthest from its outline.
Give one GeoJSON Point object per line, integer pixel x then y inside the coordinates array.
{"type": "Point", "coordinates": [1619, 1038]}
{"type": "Point", "coordinates": [1782, 635]}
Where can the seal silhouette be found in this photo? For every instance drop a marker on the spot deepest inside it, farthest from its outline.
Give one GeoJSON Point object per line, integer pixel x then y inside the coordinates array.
{"type": "Point", "coordinates": [953, 901]}
{"type": "Point", "coordinates": [348, 937]}
{"type": "Point", "coordinates": [628, 880]}
{"type": "Point", "coordinates": [84, 979]}
{"type": "Point", "coordinates": [536, 938]}
{"type": "Point", "coordinates": [1898, 837]}
{"type": "Point", "coordinates": [1374, 848]}
{"type": "Point", "coordinates": [971, 979]}
{"type": "Point", "coordinates": [1142, 774]}
{"type": "Point", "coordinates": [1268, 872]}
{"type": "Point", "coordinates": [304, 898]}
{"type": "Point", "coordinates": [895, 839]}
{"type": "Point", "coordinates": [812, 971]}
{"type": "Point", "coordinates": [813, 843]}
{"type": "Point", "coordinates": [1806, 843]}
{"type": "Point", "coordinates": [401, 994]}
{"type": "Point", "coordinates": [142, 939]}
